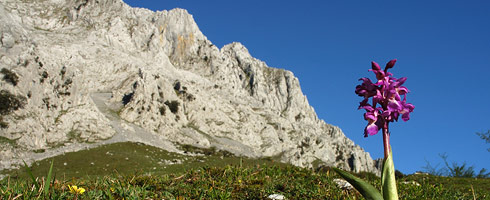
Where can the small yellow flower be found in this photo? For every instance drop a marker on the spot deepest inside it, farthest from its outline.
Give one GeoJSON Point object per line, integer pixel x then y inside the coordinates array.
{"type": "Point", "coordinates": [75, 190]}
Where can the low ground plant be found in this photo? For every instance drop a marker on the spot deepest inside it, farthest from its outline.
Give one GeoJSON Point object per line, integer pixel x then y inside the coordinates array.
{"type": "Point", "coordinates": [234, 182]}
{"type": "Point", "coordinates": [215, 176]}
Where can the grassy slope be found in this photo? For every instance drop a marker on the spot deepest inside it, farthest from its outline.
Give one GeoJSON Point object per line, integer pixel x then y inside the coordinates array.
{"type": "Point", "coordinates": [135, 171]}
{"type": "Point", "coordinates": [133, 158]}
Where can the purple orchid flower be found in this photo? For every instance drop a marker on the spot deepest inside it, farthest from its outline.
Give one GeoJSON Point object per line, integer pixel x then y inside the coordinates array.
{"type": "Point", "coordinates": [387, 102]}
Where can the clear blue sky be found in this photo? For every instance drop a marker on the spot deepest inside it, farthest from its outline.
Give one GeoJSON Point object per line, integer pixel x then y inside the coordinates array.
{"type": "Point", "coordinates": [443, 47]}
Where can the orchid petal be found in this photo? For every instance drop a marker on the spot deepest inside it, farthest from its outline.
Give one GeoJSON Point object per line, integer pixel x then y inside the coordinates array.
{"type": "Point", "coordinates": [365, 80]}
{"type": "Point", "coordinates": [368, 108]}
{"type": "Point", "coordinates": [378, 97]}
{"type": "Point", "coordinates": [397, 97]}
{"type": "Point", "coordinates": [370, 116]}
{"type": "Point", "coordinates": [395, 116]}
{"type": "Point", "coordinates": [402, 90]}
{"type": "Point", "coordinates": [363, 103]}
{"type": "Point", "coordinates": [385, 113]}
{"type": "Point", "coordinates": [371, 129]}
{"type": "Point", "coordinates": [400, 81]}
{"type": "Point", "coordinates": [406, 116]}
{"type": "Point", "coordinates": [360, 90]}
{"type": "Point", "coordinates": [407, 106]}
{"type": "Point", "coordinates": [394, 106]}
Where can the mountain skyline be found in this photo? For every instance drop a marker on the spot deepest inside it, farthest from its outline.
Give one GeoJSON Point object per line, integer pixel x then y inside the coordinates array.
{"type": "Point", "coordinates": [100, 72]}
{"type": "Point", "coordinates": [441, 47]}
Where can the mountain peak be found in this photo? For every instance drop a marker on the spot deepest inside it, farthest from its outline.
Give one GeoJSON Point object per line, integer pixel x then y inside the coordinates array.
{"type": "Point", "coordinates": [96, 72]}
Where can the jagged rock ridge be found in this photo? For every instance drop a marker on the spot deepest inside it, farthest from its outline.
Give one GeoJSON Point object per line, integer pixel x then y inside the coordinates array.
{"type": "Point", "coordinates": [165, 80]}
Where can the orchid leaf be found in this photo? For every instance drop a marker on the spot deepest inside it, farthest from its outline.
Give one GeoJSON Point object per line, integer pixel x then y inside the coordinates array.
{"type": "Point", "coordinates": [367, 190]}
{"type": "Point", "coordinates": [388, 181]}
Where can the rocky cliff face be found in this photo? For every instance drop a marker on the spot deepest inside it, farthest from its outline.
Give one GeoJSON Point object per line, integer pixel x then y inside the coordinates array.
{"type": "Point", "coordinates": [164, 80]}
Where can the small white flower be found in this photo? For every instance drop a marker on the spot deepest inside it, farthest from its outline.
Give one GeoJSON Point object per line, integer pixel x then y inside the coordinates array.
{"type": "Point", "coordinates": [342, 184]}
{"type": "Point", "coordinates": [276, 197]}
{"type": "Point", "coordinates": [411, 182]}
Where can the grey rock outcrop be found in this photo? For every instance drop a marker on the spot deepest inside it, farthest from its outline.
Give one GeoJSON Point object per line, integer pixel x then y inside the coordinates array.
{"type": "Point", "coordinates": [164, 77]}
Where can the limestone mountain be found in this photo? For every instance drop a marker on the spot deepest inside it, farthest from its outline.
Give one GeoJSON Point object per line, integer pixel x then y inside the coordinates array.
{"type": "Point", "coordinates": [86, 72]}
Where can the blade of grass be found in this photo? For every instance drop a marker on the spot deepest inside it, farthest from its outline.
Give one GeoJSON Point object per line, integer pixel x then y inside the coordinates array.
{"type": "Point", "coordinates": [48, 179]}
{"type": "Point", "coordinates": [108, 194]}
{"type": "Point", "coordinates": [28, 169]}
{"type": "Point", "coordinates": [122, 188]}
{"type": "Point", "coordinates": [473, 192]}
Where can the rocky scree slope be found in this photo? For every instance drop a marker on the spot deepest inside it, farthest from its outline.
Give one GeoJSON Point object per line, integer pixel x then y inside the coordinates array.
{"type": "Point", "coordinates": [163, 76]}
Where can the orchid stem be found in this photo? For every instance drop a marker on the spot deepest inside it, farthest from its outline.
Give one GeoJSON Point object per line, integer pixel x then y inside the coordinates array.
{"type": "Point", "coordinates": [386, 140]}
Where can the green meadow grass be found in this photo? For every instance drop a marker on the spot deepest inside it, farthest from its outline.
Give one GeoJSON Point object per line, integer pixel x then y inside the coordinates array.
{"type": "Point", "coordinates": [133, 158]}
{"type": "Point", "coordinates": [136, 171]}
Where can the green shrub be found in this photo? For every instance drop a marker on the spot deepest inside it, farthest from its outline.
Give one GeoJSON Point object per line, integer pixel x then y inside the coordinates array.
{"type": "Point", "coordinates": [10, 102]}
{"type": "Point", "coordinates": [399, 174]}
{"type": "Point", "coordinates": [9, 76]}
{"type": "Point", "coordinates": [485, 137]}
{"type": "Point", "coordinates": [455, 169]}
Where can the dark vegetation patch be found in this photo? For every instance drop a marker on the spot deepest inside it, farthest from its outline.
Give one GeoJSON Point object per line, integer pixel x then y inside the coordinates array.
{"type": "Point", "coordinates": [75, 136]}
{"type": "Point", "coordinates": [44, 76]}
{"type": "Point", "coordinates": [10, 102]}
{"type": "Point", "coordinates": [298, 117]}
{"type": "Point", "coordinates": [46, 102]}
{"type": "Point", "coordinates": [173, 106]}
{"type": "Point", "coordinates": [63, 72]}
{"type": "Point", "coordinates": [205, 151]}
{"type": "Point", "coordinates": [5, 140]}
{"type": "Point", "coordinates": [162, 110]}
{"type": "Point", "coordinates": [127, 98]}
{"type": "Point", "coordinates": [9, 76]}
{"type": "Point", "coordinates": [177, 86]}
